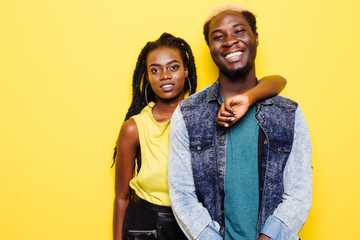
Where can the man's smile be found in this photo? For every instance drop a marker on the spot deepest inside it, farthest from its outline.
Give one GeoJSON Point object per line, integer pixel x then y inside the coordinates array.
{"type": "Point", "coordinates": [234, 56]}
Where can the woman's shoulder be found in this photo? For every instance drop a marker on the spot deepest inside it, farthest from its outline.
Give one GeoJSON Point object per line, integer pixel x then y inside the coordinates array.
{"type": "Point", "coordinates": [129, 130]}
{"type": "Point", "coordinates": [144, 113]}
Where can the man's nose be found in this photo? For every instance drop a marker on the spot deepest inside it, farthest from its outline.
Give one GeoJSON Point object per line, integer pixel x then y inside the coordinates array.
{"type": "Point", "coordinates": [230, 40]}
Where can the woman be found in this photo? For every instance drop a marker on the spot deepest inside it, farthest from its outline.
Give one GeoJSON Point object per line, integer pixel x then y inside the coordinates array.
{"type": "Point", "coordinates": [164, 72]}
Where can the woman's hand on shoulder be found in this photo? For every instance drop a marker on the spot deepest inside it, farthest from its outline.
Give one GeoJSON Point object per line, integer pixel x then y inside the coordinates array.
{"type": "Point", "coordinates": [232, 109]}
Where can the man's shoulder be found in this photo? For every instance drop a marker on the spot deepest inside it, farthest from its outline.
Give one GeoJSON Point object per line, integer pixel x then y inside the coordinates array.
{"type": "Point", "coordinates": [281, 102]}
{"type": "Point", "coordinates": [196, 99]}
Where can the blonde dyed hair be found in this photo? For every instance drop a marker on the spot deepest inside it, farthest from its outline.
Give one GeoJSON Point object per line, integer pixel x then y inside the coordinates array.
{"type": "Point", "coordinates": [225, 7]}
{"type": "Point", "coordinates": [247, 13]}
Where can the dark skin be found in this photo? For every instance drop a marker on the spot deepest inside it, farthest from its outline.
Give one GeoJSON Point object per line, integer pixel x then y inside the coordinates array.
{"type": "Point", "coordinates": [165, 67]}
{"type": "Point", "coordinates": [166, 74]}
{"type": "Point", "coordinates": [235, 107]}
{"type": "Point", "coordinates": [233, 48]}
{"type": "Point", "coordinates": [123, 172]}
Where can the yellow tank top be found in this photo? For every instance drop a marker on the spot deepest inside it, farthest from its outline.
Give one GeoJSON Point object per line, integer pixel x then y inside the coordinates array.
{"type": "Point", "coordinates": [151, 181]}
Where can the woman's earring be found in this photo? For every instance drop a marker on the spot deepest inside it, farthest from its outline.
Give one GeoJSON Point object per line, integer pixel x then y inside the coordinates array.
{"type": "Point", "coordinates": [147, 103]}
{"type": "Point", "coordinates": [189, 85]}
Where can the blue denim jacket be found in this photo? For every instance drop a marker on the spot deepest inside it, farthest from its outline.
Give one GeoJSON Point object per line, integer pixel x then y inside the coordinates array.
{"type": "Point", "coordinates": [197, 167]}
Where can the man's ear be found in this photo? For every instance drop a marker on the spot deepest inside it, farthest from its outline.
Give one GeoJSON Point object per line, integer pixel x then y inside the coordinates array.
{"type": "Point", "coordinates": [257, 40]}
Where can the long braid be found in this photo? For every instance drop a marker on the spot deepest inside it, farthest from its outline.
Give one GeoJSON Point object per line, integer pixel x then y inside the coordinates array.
{"type": "Point", "coordinates": [138, 100]}
{"type": "Point", "coordinates": [191, 69]}
{"type": "Point", "coordinates": [140, 82]}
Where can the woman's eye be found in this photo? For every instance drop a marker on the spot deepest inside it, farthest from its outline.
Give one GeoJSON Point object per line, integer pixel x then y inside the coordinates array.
{"type": "Point", "coordinates": [154, 70]}
{"type": "Point", "coordinates": [175, 67]}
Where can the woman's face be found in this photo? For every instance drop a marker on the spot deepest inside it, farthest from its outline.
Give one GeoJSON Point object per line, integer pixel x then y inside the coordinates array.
{"type": "Point", "coordinates": [166, 73]}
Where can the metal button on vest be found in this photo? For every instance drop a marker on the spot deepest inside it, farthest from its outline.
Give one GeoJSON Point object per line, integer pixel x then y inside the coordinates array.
{"type": "Point", "coordinates": [279, 149]}
{"type": "Point", "coordinates": [261, 120]}
{"type": "Point", "coordinates": [222, 141]}
{"type": "Point", "coordinates": [263, 165]}
{"type": "Point", "coordinates": [199, 148]}
{"type": "Point", "coordinates": [265, 142]}
{"type": "Point", "coordinates": [221, 164]}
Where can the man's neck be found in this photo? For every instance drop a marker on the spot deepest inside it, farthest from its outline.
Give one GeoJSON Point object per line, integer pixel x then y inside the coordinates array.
{"type": "Point", "coordinates": [232, 86]}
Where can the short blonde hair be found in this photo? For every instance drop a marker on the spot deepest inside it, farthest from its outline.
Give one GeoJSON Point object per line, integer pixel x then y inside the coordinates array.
{"type": "Point", "coordinates": [225, 7]}
{"type": "Point", "coordinates": [247, 13]}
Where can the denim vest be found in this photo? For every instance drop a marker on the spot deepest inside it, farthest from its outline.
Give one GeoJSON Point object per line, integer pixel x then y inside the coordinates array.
{"type": "Point", "coordinates": [276, 118]}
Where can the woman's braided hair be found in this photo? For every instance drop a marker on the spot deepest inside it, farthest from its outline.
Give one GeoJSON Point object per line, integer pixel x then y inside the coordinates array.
{"type": "Point", "coordinates": [139, 100]}
{"type": "Point", "coordinates": [140, 81]}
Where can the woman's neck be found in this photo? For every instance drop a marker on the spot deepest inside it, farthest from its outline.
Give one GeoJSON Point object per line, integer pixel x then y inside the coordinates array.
{"type": "Point", "coordinates": [163, 109]}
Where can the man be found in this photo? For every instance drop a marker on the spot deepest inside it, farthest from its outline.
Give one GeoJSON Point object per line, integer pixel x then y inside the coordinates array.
{"type": "Point", "coordinates": [266, 192]}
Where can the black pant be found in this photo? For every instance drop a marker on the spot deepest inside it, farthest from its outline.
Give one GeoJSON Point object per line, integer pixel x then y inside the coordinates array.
{"type": "Point", "coordinates": [144, 220]}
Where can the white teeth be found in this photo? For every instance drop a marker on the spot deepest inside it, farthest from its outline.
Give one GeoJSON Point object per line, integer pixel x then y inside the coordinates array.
{"type": "Point", "coordinates": [234, 54]}
{"type": "Point", "coordinates": [167, 85]}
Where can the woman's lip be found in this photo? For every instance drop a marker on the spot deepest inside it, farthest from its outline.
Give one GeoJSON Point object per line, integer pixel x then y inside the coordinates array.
{"type": "Point", "coordinates": [167, 87]}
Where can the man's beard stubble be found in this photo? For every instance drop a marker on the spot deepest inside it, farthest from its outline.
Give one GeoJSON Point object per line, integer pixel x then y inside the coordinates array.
{"type": "Point", "coordinates": [235, 74]}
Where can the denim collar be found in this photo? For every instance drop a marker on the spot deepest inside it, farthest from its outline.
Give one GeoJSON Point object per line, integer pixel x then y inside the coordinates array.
{"type": "Point", "coordinates": [214, 93]}
{"type": "Point", "coordinates": [267, 101]}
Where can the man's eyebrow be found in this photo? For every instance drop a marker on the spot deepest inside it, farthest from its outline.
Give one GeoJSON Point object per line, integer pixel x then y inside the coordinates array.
{"type": "Point", "coordinates": [215, 31]}
{"type": "Point", "coordinates": [235, 25]}
{"type": "Point", "coordinates": [239, 24]}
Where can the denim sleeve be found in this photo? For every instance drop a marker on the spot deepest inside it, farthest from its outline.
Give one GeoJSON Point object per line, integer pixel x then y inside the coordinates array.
{"type": "Point", "coordinates": [192, 217]}
{"type": "Point", "coordinates": [277, 230]}
{"type": "Point", "coordinates": [292, 212]}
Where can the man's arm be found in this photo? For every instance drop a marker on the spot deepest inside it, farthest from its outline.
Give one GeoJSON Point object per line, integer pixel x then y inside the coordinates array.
{"type": "Point", "coordinates": [291, 214]}
{"type": "Point", "coordinates": [192, 217]}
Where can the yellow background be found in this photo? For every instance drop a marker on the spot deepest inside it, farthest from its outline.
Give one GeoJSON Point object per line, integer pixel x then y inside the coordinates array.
{"type": "Point", "coordinates": [65, 86]}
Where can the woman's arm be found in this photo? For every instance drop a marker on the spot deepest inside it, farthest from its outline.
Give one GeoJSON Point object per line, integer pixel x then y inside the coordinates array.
{"type": "Point", "coordinates": [235, 107]}
{"type": "Point", "coordinates": [127, 148]}
{"type": "Point", "coordinates": [268, 86]}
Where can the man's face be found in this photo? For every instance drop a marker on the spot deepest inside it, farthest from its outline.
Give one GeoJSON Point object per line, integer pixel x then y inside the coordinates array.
{"type": "Point", "coordinates": [232, 43]}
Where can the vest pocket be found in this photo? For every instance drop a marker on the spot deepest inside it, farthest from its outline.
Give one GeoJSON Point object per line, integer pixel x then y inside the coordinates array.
{"type": "Point", "coordinates": [278, 155]}
{"type": "Point", "coordinates": [203, 158]}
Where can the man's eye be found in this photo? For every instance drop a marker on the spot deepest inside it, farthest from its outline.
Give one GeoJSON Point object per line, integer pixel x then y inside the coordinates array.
{"type": "Point", "coordinates": [240, 31]}
{"type": "Point", "coordinates": [218, 37]}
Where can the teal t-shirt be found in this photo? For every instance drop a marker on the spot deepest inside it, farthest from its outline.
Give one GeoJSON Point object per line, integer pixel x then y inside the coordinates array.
{"type": "Point", "coordinates": [241, 179]}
